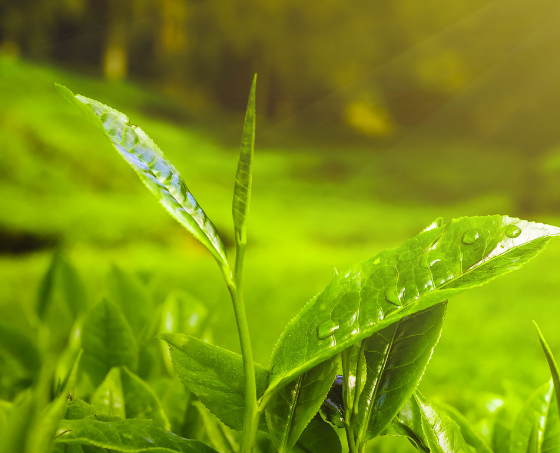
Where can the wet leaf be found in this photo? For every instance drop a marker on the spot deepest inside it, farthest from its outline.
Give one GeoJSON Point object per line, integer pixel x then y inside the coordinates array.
{"type": "Point", "coordinates": [432, 267]}
{"type": "Point", "coordinates": [154, 170]}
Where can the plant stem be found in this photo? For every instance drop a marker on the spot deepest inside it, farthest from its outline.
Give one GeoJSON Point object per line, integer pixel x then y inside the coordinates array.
{"type": "Point", "coordinates": [251, 414]}
{"type": "Point", "coordinates": [347, 410]}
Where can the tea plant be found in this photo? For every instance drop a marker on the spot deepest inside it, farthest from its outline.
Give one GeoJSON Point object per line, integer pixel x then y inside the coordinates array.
{"type": "Point", "coordinates": [344, 371]}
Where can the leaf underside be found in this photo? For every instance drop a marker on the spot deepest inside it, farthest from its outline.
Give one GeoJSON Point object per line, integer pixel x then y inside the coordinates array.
{"type": "Point", "coordinates": [434, 266]}
{"type": "Point", "coordinates": [293, 407]}
{"type": "Point", "coordinates": [396, 359]}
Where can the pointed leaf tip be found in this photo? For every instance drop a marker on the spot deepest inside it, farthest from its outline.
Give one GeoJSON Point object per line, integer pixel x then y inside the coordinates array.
{"type": "Point", "coordinates": [153, 169]}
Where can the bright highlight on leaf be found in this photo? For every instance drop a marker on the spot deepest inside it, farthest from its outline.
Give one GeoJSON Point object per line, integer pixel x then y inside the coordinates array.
{"type": "Point", "coordinates": [154, 170]}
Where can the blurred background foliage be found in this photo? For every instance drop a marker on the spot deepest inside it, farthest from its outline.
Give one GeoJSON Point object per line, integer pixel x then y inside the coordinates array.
{"type": "Point", "coordinates": [374, 117]}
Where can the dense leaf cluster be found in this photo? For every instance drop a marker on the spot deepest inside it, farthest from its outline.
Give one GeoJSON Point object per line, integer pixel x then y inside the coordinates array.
{"type": "Point", "coordinates": [344, 371]}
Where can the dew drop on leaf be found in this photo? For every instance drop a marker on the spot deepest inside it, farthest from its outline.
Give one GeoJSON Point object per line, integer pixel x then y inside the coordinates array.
{"type": "Point", "coordinates": [326, 329]}
{"type": "Point", "coordinates": [513, 231]}
{"type": "Point", "coordinates": [470, 236]}
{"type": "Point", "coordinates": [392, 296]}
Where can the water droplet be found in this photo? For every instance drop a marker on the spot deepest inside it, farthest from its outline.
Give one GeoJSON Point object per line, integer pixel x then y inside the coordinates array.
{"type": "Point", "coordinates": [392, 296]}
{"type": "Point", "coordinates": [407, 256]}
{"type": "Point", "coordinates": [513, 231]}
{"type": "Point", "coordinates": [470, 236]}
{"type": "Point", "coordinates": [326, 330]}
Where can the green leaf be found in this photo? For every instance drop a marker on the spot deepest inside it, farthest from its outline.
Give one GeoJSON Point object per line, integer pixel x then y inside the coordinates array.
{"type": "Point", "coordinates": [537, 424]}
{"type": "Point", "coordinates": [292, 408]}
{"type": "Point", "coordinates": [215, 375]}
{"type": "Point", "coordinates": [182, 313]}
{"type": "Point", "coordinates": [154, 170]}
{"type": "Point", "coordinates": [17, 345]}
{"type": "Point", "coordinates": [79, 409]}
{"type": "Point", "coordinates": [244, 176]}
{"type": "Point", "coordinates": [399, 429]}
{"type": "Point", "coordinates": [354, 373]}
{"type": "Point", "coordinates": [108, 398]}
{"type": "Point", "coordinates": [124, 394]}
{"type": "Point", "coordinates": [73, 287]}
{"type": "Point", "coordinates": [108, 341]}
{"type": "Point", "coordinates": [396, 358]}
{"type": "Point", "coordinates": [432, 267]}
{"type": "Point", "coordinates": [219, 436]}
{"type": "Point", "coordinates": [131, 436]}
{"type": "Point", "coordinates": [318, 437]}
{"type": "Point", "coordinates": [127, 291]}
{"type": "Point", "coordinates": [41, 437]}
{"type": "Point", "coordinates": [473, 438]}
{"type": "Point", "coordinates": [551, 364]}
{"type": "Point", "coordinates": [5, 409]}
{"type": "Point", "coordinates": [442, 434]}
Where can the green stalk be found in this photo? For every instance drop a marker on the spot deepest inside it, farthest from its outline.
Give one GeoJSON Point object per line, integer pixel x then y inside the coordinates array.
{"type": "Point", "coordinates": [347, 412]}
{"type": "Point", "coordinates": [251, 415]}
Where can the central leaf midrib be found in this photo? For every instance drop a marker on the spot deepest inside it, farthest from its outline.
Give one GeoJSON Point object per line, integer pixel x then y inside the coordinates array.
{"type": "Point", "coordinates": [291, 413]}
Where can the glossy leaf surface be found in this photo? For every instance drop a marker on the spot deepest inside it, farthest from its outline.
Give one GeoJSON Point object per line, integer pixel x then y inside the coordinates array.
{"type": "Point", "coordinates": [396, 358]}
{"type": "Point", "coordinates": [124, 394]}
{"type": "Point", "coordinates": [293, 407]}
{"type": "Point", "coordinates": [354, 374]}
{"type": "Point", "coordinates": [244, 175]}
{"type": "Point", "coordinates": [432, 267]}
{"type": "Point", "coordinates": [215, 375]}
{"type": "Point", "coordinates": [154, 170]}
{"type": "Point", "coordinates": [318, 437]}
{"type": "Point", "coordinates": [442, 434]}
{"type": "Point", "coordinates": [108, 341]}
{"type": "Point", "coordinates": [537, 427]}
{"type": "Point", "coordinates": [135, 435]}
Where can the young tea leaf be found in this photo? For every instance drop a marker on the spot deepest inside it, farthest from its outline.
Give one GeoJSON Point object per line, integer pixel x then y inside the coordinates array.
{"type": "Point", "coordinates": [130, 436]}
{"type": "Point", "coordinates": [128, 293]}
{"type": "Point", "coordinates": [551, 364]}
{"type": "Point", "coordinates": [396, 358]}
{"type": "Point", "coordinates": [472, 438]}
{"type": "Point", "coordinates": [292, 408]}
{"type": "Point", "coordinates": [108, 341]}
{"type": "Point", "coordinates": [124, 394]}
{"type": "Point", "coordinates": [442, 434]}
{"type": "Point", "coordinates": [537, 425]}
{"type": "Point", "coordinates": [154, 170]}
{"type": "Point", "coordinates": [432, 267]}
{"type": "Point", "coordinates": [215, 375]}
{"type": "Point", "coordinates": [244, 176]}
